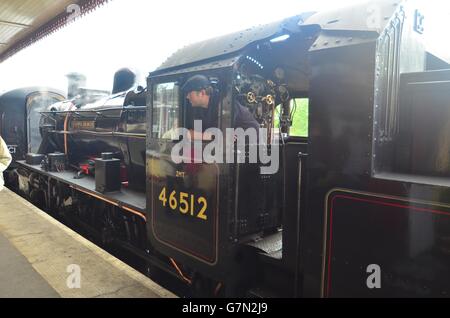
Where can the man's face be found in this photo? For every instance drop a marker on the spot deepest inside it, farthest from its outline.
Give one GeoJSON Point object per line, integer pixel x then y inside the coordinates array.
{"type": "Point", "coordinates": [198, 99]}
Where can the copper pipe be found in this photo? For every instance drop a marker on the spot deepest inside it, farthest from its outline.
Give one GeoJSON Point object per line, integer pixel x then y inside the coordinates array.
{"type": "Point", "coordinates": [187, 280]}
{"type": "Point", "coordinates": [66, 121]}
{"type": "Point", "coordinates": [218, 288]}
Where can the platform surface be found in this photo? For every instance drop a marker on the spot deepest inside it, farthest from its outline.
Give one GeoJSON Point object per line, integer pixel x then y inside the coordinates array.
{"type": "Point", "coordinates": [40, 257]}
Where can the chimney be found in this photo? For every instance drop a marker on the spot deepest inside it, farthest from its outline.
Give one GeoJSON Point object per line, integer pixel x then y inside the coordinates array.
{"type": "Point", "coordinates": [124, 79]}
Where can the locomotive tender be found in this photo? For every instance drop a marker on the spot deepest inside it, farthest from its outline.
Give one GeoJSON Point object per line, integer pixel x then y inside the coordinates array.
{"type": "Point", "coordinates": [367, 186]}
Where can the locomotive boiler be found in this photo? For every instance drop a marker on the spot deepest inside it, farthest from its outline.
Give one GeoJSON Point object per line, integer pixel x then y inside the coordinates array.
{"type": "Point", "coordinates": [113, 124]}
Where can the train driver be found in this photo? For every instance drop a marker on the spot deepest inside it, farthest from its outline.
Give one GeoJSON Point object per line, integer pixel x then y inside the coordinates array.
{"type": "Point", "coordinates": [200, 93]}
{"type": "Point", "coordinates": [204, 106]}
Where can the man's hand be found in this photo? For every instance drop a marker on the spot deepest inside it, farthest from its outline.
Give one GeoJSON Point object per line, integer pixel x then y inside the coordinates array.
{"type": "Point", "coordinates": [196, 135]}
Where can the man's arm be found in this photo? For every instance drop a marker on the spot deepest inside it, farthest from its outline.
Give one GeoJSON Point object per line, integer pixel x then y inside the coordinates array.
{"type": "Point", "coordinates": [196, 135]}
{"type": "Point", "coordinates": [244, 118]}
{"type": "Point", "coordinates": [5, 155]}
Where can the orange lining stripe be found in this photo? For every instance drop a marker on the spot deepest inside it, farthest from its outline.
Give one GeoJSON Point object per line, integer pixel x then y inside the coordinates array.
{"type": "Point", "coordinates": [135, 212]}
{"type": "Point", "coordinates": [112, 202]}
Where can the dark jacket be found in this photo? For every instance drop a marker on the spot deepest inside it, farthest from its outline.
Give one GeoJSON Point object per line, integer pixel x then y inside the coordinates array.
{"type": "Point", "coordinates": [243, 118]}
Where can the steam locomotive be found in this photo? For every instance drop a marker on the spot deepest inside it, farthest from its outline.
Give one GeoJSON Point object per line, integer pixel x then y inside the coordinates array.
{"type": "Point", "coordinates": [365, 192]}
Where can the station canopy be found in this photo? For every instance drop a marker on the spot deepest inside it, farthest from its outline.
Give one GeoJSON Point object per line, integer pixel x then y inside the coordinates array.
{"type": "Point", "coordinates": [24, 22]}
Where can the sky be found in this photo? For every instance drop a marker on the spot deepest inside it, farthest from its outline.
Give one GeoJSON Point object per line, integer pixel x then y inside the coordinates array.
{"type": "Point", "coordinates": [141, 34]}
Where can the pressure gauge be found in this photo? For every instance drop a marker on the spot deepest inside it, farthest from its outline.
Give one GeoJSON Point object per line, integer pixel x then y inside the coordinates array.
{"type": "Point", "coordinates": [279, 73]}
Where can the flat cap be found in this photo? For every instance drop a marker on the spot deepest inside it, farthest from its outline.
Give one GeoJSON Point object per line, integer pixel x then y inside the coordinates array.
{"type": "Point", "coordinates": [196, 83]}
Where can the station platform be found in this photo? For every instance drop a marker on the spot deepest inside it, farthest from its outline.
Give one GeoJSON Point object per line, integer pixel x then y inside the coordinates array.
{"type": "Point", "coordinates": [41, 258]}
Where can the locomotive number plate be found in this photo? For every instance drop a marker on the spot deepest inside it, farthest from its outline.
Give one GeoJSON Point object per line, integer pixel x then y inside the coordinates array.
{"type": "Point", "coordinates": [185, 203]}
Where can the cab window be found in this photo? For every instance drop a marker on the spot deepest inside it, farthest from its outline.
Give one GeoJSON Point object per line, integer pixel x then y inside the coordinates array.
{"type": "Point", "coordinates": [299, 117]}
{"type": "Point", "coordinates": [165, 113]}
{"type": "Point", "coordinates": [37, 103]}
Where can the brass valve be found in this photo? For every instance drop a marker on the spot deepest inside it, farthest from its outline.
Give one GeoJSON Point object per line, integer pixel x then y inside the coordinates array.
{"type": "Point", "coordinates": [269, 100]}
{"type": "Point", "coordinates": [251, 97]}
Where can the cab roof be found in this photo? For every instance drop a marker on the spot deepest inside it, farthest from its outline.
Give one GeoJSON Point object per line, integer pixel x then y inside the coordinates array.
{"type": "Point", "coordinates": [364, 17]}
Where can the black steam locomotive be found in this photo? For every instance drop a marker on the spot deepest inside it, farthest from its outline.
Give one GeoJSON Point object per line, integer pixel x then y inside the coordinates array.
{"type": "Point", "coordinates": [358, 207]}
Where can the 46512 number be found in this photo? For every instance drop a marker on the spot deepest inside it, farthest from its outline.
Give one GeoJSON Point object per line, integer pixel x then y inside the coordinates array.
{"type": "Point", "coordinates": [185, 203]}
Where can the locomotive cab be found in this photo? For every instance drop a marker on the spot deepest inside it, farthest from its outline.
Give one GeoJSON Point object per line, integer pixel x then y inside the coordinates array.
{"type": "Point", "coordinates": [219, 215]}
